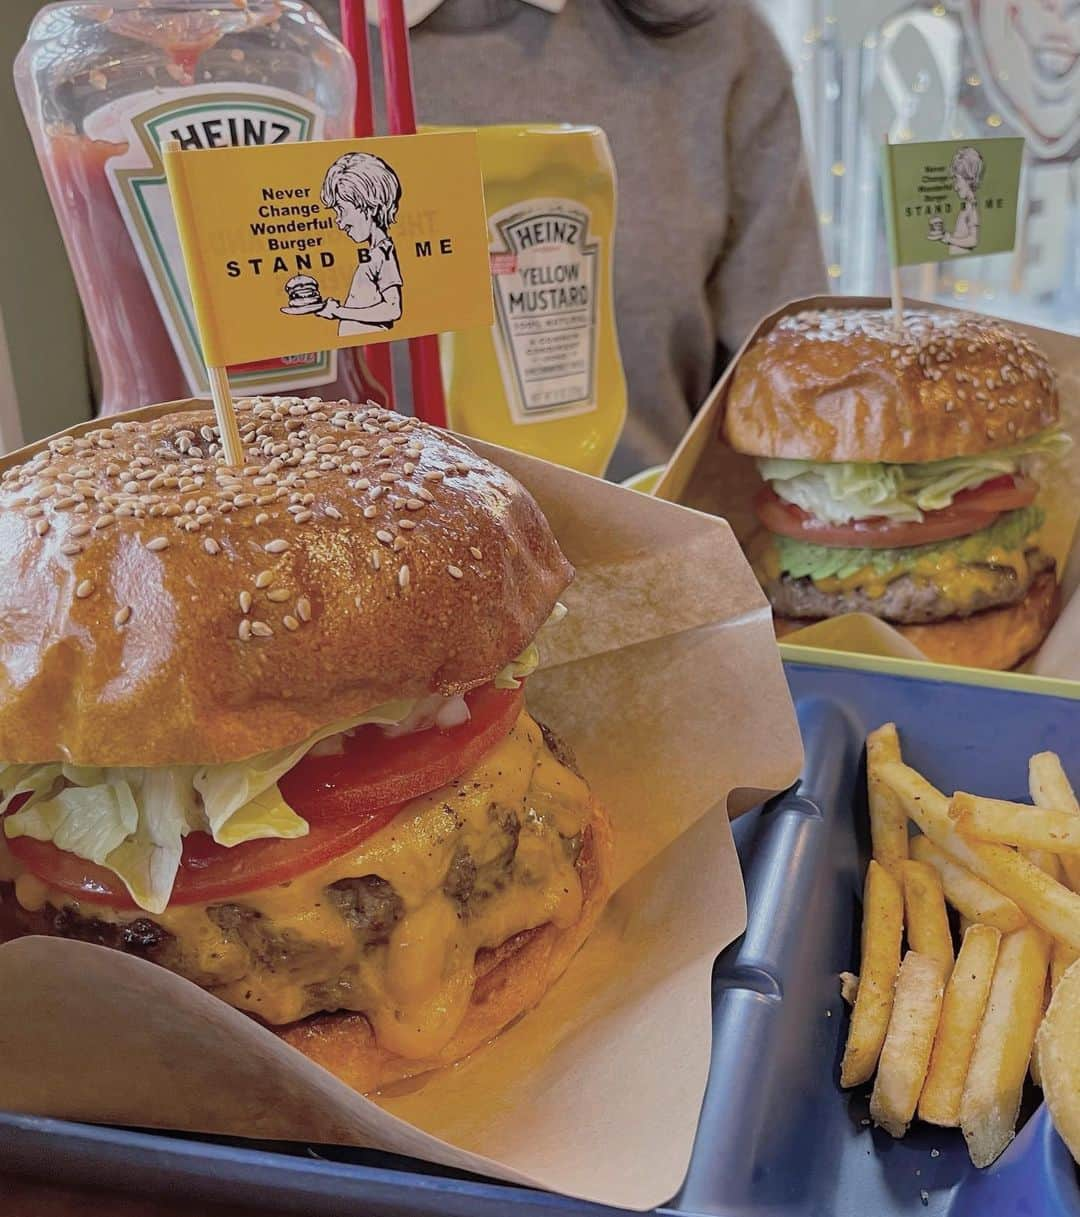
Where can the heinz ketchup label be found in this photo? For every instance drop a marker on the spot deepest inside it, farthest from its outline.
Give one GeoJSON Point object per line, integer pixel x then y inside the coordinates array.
{"type": "Point", "coordinates": [200, 116]}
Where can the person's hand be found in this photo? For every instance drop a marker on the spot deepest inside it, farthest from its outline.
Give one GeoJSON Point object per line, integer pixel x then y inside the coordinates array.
{"type": "Point", "coordinates": [329, 309]}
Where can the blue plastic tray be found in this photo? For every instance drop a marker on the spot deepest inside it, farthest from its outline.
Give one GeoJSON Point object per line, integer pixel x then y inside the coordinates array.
{"type": "Point", "coordinates": [777, 1136]}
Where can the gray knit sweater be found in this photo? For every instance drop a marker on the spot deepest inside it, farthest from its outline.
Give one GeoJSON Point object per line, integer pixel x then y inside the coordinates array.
{"type": "Point", "coordinates": [716, 222]}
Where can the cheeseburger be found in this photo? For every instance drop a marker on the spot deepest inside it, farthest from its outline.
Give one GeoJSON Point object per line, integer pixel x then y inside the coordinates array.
{"type": "Point", "coordinates": [265, 726]}
{"type": "Point", "coordinates": [898, 469]}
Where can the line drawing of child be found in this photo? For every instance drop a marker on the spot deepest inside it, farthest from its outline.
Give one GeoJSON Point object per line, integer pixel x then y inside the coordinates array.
{"type": "Point", "coordinates": [365, 192]}
{"type": "Point", "coordinates": [966, 170]}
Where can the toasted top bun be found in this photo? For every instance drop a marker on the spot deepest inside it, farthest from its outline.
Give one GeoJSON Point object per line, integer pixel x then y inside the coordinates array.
{"type": "Point", "coordinates": [846, 385]}
{"type": "Point", "coordinates": [160, 607]}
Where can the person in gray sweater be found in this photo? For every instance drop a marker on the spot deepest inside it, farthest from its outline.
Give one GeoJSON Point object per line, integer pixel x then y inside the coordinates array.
{"type": "Point", "coordinates": [716, 221]}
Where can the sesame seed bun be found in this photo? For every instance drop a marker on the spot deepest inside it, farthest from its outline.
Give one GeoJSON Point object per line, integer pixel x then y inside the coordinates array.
{"type": "Point", "coordinates": [160, 607]}
{"type": "Point", "coordinates": [846, 385]}
{"type": "Point", "coordinates": [997, 638]}
{"type": "Point", "coordinates": [511, 979]}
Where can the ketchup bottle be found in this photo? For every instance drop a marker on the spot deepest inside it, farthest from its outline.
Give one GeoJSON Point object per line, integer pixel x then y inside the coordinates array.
{"type": "Point", "coordinates": [102, 86]}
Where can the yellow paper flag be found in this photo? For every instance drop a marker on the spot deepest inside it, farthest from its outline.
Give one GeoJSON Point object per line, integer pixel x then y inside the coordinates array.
{"type": "Point", "coordinates": [298, 247]}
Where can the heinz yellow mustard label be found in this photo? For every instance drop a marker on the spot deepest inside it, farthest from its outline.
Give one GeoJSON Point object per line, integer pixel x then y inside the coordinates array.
{"type": "Point", "coordinates": [298, 247]}
{"type": "Point", "coordinates": [547, 378]}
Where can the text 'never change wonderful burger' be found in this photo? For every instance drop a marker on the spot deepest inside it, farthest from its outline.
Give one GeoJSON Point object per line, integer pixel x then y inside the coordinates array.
{"type": "Point", "coordinates": [898, 476]}
{"type": "Point", "coordinates": [265, 726]}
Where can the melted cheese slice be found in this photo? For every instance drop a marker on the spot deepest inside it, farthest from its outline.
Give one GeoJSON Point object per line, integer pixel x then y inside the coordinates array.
{"type": "Point", "coordinates": [416, 987]}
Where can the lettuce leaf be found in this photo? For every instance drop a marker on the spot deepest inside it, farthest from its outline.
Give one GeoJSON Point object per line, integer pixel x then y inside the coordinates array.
{"type": "Point", "coordinates": [529, 660]}
{"type": "Point", "coordinates": [1010, 531]}
{"type": "Point", "coordinates": [133, 821]}
{"type": "Point", "coordinates": [851, 490]}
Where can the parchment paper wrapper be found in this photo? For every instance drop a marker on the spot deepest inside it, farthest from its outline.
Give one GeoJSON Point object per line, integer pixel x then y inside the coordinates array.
{"type": "Point", "coordinates": [665, 680]}
{"type": "Point", "coordinates": [704, 473]}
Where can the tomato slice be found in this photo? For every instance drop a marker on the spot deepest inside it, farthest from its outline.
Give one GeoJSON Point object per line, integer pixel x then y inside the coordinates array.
{"type": "Point", "coordinates": [374, 770]}
{"type": "Point", "coordinates": [344, 798]}
{"type": "Point", "coordinates": [208, 871]}
{"type": "Point", "coordinates": [1004, 493]}
{"type": "Point", "coordinates": [956, 520]}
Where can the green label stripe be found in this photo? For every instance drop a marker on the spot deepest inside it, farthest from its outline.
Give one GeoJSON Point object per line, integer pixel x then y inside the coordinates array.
{"type": "Point", "coordinates": [136, 182]}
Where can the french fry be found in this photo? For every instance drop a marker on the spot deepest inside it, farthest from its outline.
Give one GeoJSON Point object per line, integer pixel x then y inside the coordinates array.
{"type": "Point", "coordinates": [974, 900]}
{"type": "Point", "coordinates": [927, 921]}
{"type": "Point", "coordinates": [882, 929]}
{"type": "Point", "coordinates": [961, 1014]}
{"type": "Point", "coordinates": [1062, 958]}
{"type": "Point", "coordinates": [1059, 1052]}
{"type": "Point", "coordinates": [1048, 903]}
{"type": "Point", "coordinates": [1034, 1067]}
{"type": "Point", "coordinates": [905, 1054]}
{"type": "Point", "coordinates": [1050, 865]}
{"type": "Point", "coordinates": [1056, 832]}
{"type": "Point", "coordinates": [1050, 788]}
{"type": "Point", "coordinates": [995, 1078]}
{"type": "Point", "coordinates": [888, 823]}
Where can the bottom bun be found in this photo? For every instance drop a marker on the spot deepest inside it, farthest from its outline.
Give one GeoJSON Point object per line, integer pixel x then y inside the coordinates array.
{"type": "Point", "coordinates": [511, 979]}
{"type": "Point", "coordinates": [995, 638]}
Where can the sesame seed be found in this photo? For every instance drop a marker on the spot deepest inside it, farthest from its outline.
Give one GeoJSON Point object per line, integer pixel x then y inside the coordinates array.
{"type": "Point", "coordinates": [277, 546]}
{"type": "Point", "coordinates": [358, 602]}
{"type": "Point", "coordinates": [403, 578]}
{"type": "Point", "coordinates": [399, 543]}
{"type": "Point", "coordinates": [290, 623]}
{"type": "Point", "coordinates": [122, 616]}
{"type": "Point", "coordinates": [476, 553]}
{"type": "Point", "coordinates": [41, 527]}
{"type": "Point", "coordinates": [370, 512]}
{"type": "Point", "coordinates": [376, 560]}
{"type": "Point", "coordinates": [71, 548]}
{"type": "Point", "coordinates": [332, 512]}
{"type": "Point", "coordinates": [455, 572]}
{"type": "Point", "coordinates": [387, 538]}
{"type": "Point", "coordinates": [303, 608]}
{"type": "Point", "coordinates": [245, 630]}
{"type": "Point", "coordinates": [278, 594]}
{"type": "Point", "coordinates": [211, 546]}
{"type": "Point", "coordinates": [158, 544]}
{"type": "Point", "coordinates": [85, 588]}
{"type": "Point", "coordinates": [245, 601]}
{"type": "Point", "coordinates": [104, 521]}
{"type": "Point", "coordinates": [388, 479]}
{"type": "Point", "coordinates": [426, 495]}
{"type": "Point", "coordinates": [302, 517]}
{"type": "Point", "coordinates": [261, 630]}
{"type": "Point", "coordinates": [414, 504]}
{"type": "Point", "coordinates": [34, 510]}
{"type": "Point", "coordinates": [79, 530]}
{"type": "Point", "coordinates": [264, 578]}
{"type": "Point", "coordinates": [407, 524]}
{"type": "Point", "coordinates": [262, 517]}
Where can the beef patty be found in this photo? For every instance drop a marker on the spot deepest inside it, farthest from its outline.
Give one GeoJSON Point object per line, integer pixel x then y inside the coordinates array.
{"type": "Point", "coordinates": [906, 601]}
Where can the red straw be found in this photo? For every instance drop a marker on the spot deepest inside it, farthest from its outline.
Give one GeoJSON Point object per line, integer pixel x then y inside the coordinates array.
{"type": "Point", "coordinates": [429, 403]}
{"type": "Point", "coordinates": [355, 33]}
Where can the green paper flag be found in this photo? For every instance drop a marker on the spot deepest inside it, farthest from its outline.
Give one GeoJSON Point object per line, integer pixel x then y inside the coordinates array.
{"type": "Point", "coordinates": [950, 198]}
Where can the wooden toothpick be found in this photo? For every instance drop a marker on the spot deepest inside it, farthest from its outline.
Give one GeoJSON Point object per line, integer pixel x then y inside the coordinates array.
{"type": "Point", "coordinates": [232, 449]}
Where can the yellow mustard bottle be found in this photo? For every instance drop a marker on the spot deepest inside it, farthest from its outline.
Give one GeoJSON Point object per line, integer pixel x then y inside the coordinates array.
{"type": "Point", "coordinates": [547, 378]}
